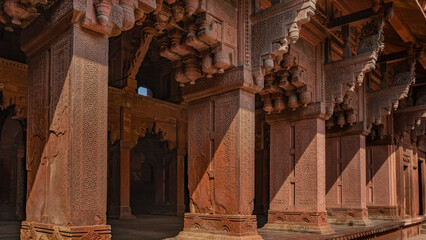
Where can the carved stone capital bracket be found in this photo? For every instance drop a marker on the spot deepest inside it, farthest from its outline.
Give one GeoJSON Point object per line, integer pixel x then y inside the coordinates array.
{"type": "Point", "coordinates": [20, 13]}
{"type": "Point", "coordinates": [282, 84]}
{"type": "Point", "coordinates": [343, 76]}
{"type": "Point", "coordinates": [410, 122]}
{"type": "Point", "coordinates": [381, 103]}
{"type": "Point", "coordinates": [111, 17]}
{"type": "Point", "coordinates": [278, 27]}
{"type": "Point", "coordinates": [200, 49]}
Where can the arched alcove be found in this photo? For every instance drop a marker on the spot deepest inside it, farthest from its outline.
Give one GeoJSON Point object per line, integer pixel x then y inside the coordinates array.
{"type": "Point", "coordinates": [153, 173]}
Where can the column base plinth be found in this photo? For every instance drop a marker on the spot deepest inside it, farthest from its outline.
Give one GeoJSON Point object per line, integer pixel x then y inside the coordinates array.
{"type": "Point", "coordinates": [35, 230]}
{"type": "Point", "coordinates": [349, 216]}
{"type": "Point", "coordinates": [383, 213]}
{"type": "Point", "coordinates": [126, 213]}
{"type": "Point", "coordinates": [313, 222]}
{"type": "Point", "coordinates": [219, 227]}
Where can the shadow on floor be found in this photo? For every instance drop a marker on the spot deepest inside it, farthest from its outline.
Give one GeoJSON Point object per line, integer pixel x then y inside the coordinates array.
{"type": "Point", "coordinates": [146, 227]}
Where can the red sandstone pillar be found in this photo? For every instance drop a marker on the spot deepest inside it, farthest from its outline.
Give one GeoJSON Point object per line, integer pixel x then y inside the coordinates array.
{"type": "Point", "coordinates": [182, 133]}
{"type": "Point", "coordinates": [221, 165]}
{"type": "Point", "coordinates": [125, 149]}
{"type": "Point", "coordinates": [297, 194]}
{"type": "Point", "coordinates": [67, 132]}
{"type": "Point", "coordinates": [381, 182]}
{"type": "Point", "coordinates": [346, 180]}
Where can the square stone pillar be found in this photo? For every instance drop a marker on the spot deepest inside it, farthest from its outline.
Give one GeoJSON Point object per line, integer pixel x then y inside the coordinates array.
{"type": "Point", "coordinates": [381, 182]}
{"type": "Point", "coordinates": [67, 132]}
{"type": "Point", "coordinates": [346, 180]}
{"type": "Point", "coordinates": [221, 164]}
{"type": "Point", "coordinates": [125, 149]}
{"type": "Point", "coordinates": [297, 194]}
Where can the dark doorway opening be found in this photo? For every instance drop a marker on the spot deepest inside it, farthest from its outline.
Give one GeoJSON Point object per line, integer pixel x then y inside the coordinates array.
{"type": "Point", "coordinates": [13, 175]}
{"type": "Point", "coordinates": [153, 175]}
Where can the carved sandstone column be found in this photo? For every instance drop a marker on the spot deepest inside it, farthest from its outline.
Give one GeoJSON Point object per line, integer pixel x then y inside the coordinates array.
{"type": "Point", "coordinates": [381, 182]}
{"type": "Point", "coordinates": [220, 159]}
{"type": "Point", "coordinates": [346, 180]}
{"type": "Point", "coordinates": [297, 195]}
{"type": "Point", "coordinates": [125, 149]}
{"type": "Point", "coordinates": [67, 132]}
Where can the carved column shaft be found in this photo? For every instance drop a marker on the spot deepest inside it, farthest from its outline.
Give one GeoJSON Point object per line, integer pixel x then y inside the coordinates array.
{"type": "Point", "coordinates": [297, 195]}
{"type": "Point", "coordinates": [221, 165]}
{"type": "Point", "coordinates": [381, 182]}
{"type": "Point", "coordinates": [346, 169]}
{"type": "Point", "coordinates": [67, 133]}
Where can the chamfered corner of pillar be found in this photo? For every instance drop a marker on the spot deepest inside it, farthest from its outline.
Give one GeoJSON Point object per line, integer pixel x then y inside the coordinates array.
{"type": "Point", "coordinates": [36, 230]}
{"type": "Point", "coordinates": [312, 222]}
{"type": "Point", "coordinates": [217, 226]}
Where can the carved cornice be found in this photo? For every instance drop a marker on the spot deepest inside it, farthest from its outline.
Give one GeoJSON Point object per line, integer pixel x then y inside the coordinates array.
{"type": "Point", "coordinates": [12, 64]}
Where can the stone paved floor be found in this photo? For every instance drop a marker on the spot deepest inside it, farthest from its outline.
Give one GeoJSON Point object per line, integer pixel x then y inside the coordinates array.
{"type": "Point", "coordinates": [9, 230]}
{"type": "Point", "coordinates": [155, 227]}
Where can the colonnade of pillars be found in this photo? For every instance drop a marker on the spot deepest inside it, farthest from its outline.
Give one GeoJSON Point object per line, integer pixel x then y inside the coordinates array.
{"type": "Point", "coordinates": [313, 178]}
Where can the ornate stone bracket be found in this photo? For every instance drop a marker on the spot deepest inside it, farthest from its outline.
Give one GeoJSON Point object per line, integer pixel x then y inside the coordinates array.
{"type": "Point", "coordinates": [138, 57]}
{"type": "Point", "coordinates": [200, 49]}
{"type": "Point", "coordinates": [343, 76]}
{"type": "Point", "coordinates": [283, 84]}
{"type": "Point", "coordinates": [276, 29]}
{"type": "Point", "coordinates": [380, 103]}
{"type": "Point", "coordinates": [277, 75]}
{"type": "Point", "coordinates": [410, 122]}
{"type": "Point", "coordinates": [111, 17]}
{"type": "Point", "coordinates": [20, 13]}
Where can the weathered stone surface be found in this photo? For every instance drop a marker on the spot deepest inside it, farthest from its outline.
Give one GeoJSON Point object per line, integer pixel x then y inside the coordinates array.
{"type": "Point", "coordinates": [66, 155]}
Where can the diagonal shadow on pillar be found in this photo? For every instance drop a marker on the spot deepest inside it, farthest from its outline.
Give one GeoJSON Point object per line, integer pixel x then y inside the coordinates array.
{"type": "Point", "coordinates": [67, 131]}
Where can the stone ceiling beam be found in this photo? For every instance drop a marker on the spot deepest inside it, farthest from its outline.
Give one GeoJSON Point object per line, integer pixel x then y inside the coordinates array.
{"type": "Point", "coordinates": [357, 17]}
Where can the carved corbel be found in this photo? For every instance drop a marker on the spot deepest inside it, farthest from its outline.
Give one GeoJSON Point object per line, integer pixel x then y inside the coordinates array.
{"type": "Point", "coordinates": [192, 39]}
{"type": "Point", "coordinates": [191, 6]}
{"type": "Point", "coordinates": [111, 17]}
{"type": "Point", "coordinates": [281, 73]}
{"type": "Point", "coordinates": [381, 103]}
{"type": "Point", "coordinates": [343, 76]}
{"type": "Point", "coordinates": [19, 13]}
{"type": "Point", "coordinates": [408, 120]}
{"type": "Point", "coordinates": [166, 52]}
{"type": "Point", "coordinates": [178, 11]}
{"type": "Point", "coordinates": [277, 30]}
{"type": "Point", "coordinates": [210, 29]}
{"type": "Point", "coordinates": [178, 46]}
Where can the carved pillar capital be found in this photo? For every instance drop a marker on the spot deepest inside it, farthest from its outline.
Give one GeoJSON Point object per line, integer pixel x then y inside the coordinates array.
{"type": "Point", "coordinates": [278, 27]}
